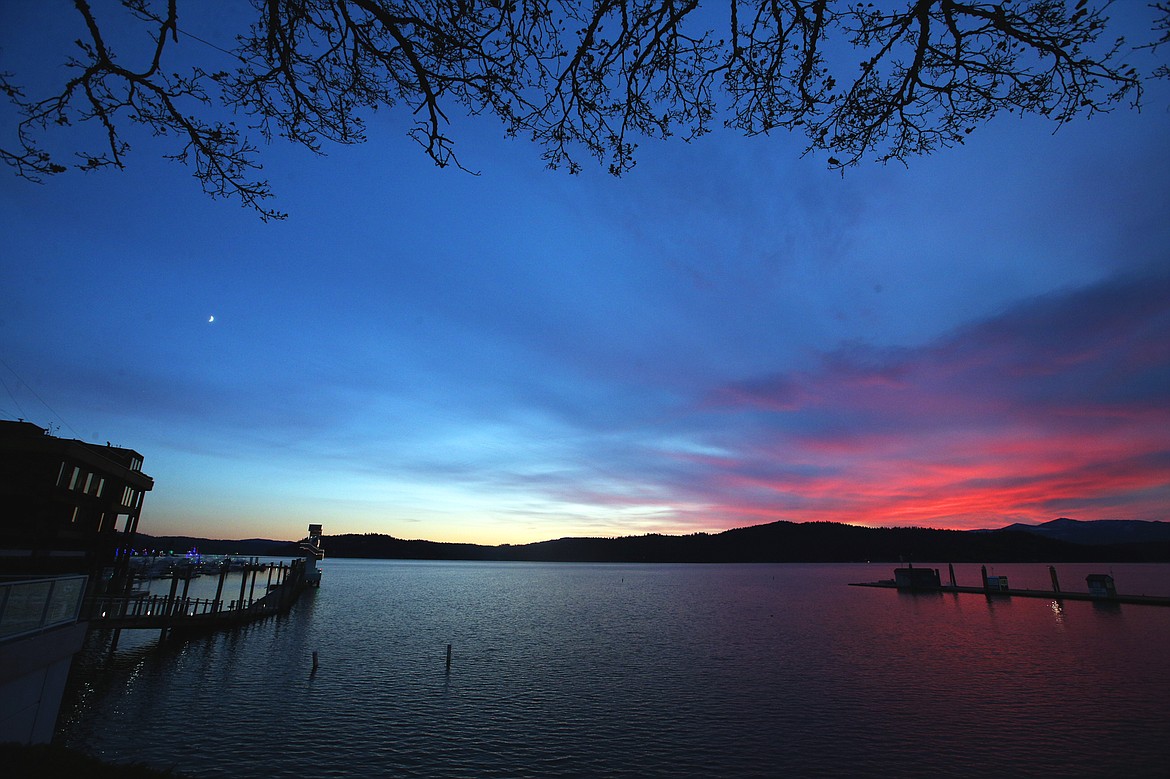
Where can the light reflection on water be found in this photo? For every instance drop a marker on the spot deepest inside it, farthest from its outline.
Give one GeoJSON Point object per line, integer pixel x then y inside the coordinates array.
{"type": "Point", "coordinates": [646, 670]}
{"type": "Point", "coordinates": [1057, 610]}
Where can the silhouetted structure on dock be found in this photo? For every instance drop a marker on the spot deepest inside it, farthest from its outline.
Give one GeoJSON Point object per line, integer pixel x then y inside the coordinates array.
{"type": "Point", "coordinates": [911, 578]}
{"type": "Point", "coordinates": [311, 549]}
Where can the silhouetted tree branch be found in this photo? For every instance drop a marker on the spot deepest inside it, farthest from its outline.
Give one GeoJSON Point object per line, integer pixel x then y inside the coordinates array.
{"type": "Point", "coordinates": [1161, 25]}
{"type": "Point", "coordinates": [579, 79]}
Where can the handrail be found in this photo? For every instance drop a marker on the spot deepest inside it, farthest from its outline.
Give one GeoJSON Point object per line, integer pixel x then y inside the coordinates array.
{"type": "Point", "coordinates": [33, 605]}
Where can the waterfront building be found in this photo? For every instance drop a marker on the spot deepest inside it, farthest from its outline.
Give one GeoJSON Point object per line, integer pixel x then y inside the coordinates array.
{"type": "Point", "coordinates": [68, 513]}
{"type": "Point", "coordinates": [67, 506]}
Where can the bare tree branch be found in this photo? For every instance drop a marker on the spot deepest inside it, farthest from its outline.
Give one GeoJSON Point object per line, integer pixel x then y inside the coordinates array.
{"type": "Point", "coordinates": [1161, 25]}
{"type": "Point", "coordinates": [580, 79]}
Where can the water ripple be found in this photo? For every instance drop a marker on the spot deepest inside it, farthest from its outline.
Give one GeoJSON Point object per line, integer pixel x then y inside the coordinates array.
{"type": "Point", "coordinates": [638, 671]}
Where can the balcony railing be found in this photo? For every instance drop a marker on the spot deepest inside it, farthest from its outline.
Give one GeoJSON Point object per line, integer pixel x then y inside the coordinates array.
{"type": "Point", "coordinates": [31, 605]}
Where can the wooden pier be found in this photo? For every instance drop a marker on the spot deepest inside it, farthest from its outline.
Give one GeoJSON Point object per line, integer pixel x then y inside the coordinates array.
{"type": "Point", "coordinates": [177, 613]}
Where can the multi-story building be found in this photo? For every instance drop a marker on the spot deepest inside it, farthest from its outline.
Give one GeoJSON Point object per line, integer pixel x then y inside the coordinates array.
{"type": "Point", "coordinates": [68, 514]}
{"type": "Point", "coordinates": [66, 506]}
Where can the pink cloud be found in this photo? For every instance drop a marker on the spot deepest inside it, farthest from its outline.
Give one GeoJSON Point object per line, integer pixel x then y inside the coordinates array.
{"type": "Point", "coordinates": [1059, 405]}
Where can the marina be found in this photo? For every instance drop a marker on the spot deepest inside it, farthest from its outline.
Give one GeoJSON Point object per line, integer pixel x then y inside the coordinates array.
{"type": "Point", "coordinates": [177, 612]}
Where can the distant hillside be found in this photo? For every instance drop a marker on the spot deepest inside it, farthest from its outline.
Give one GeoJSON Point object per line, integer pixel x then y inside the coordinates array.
{"type": "Point", "coordinates": [1062, 540]}
{"type": "Point", "coordinates": [775, 542]}
{"type": "Point", "coordinates": [1101, 531]}
{"type": "Point", "coordinates": [248, 547]}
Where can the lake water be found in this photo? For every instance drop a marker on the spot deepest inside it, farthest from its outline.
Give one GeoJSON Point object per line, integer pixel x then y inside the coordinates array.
{"type": "Point", "coordinates": [646, 671]}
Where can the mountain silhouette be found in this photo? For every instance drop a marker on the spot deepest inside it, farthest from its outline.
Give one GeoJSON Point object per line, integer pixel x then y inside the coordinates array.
{"type": "Point", "coordinates": [1101, 531]}
{"type": "Point", "coordinates": [773, 542]}
{"type": "Point", "coordinates": [1061, 540]}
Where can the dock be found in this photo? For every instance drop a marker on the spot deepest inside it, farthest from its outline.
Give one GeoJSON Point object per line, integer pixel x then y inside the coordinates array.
{"type": "Point", "coordinates": [1101, 586]}
{"type": "Point", "coordinates": [1145, 600]}
{"type": "Point", "coordinates": [175, 612]}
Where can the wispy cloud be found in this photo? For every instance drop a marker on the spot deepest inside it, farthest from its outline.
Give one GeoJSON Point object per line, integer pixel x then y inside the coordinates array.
{"type": "Point", "coordinates": [1061, 404]}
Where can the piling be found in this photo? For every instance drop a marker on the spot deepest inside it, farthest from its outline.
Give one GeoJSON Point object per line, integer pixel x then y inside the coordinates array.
{"type": "Point", "coordinates": [243, 585]}
{"type": "Point", "coordinates": [1055, 581]}
{"type": "Point", "coordinates": [170, 608]}
{"type": "Point", "coordinates": [223, 570]}
{"type": "Point", "coordinates": [186, 585]}
{"type": "Point", "coordinates": [314, 661]}
{"type": "Point", "coordinates": [951, 568]}
{"type": "Point", "coordinates": [448, 657]}
{"type": "Point", "coordinates": [983, 573]}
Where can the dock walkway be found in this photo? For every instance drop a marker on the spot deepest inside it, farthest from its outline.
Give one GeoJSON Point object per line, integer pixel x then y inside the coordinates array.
{"type": "Point", "coordinates": [178, 613]}
{"type": "Point", "coordinates": [1146, 600]}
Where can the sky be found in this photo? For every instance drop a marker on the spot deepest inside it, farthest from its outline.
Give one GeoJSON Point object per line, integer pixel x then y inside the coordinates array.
{"type": "Point", "coordinates": [729, 335]}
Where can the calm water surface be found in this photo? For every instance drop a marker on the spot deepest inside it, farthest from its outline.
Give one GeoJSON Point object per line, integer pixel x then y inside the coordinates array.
{"type": "Point", "coordinates": [643, 671]}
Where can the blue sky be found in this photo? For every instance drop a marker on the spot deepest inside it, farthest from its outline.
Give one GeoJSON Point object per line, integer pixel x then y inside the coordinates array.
{"type": "Point", "coordinates": [731, 334]}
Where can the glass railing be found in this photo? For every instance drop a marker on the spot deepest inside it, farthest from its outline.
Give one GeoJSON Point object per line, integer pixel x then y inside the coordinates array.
{"type": "Point", "coordinates": [31, 605]}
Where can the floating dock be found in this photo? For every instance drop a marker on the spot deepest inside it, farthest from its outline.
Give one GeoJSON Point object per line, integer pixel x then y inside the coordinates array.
{"type": "Point", "coordinates": [1147, 600]}
{"type": "Point", "coordinates": [927, 580]}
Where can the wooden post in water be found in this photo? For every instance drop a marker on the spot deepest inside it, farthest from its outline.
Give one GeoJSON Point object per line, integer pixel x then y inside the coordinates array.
{"type": "Point", "coordinates": [951, 568]}
{"type": "Point", "coordinates": [243, 585]}
{"type": "Point", "coordinates": [1055, 581]}
{"type": "Point", "coordinates": [186, 586]}
{"type": "Point", "coordinates": [448, 657]}
{"type": "Point", "coordinates": [170, 607]}
{"type": "Point", "coordinates": [219, 588]}
{"type": "Point", "coordinates": [314, 661]}
{"type": "Point", "coordinates": [252, 592]}
{"type": "Point", "coordinates": [983, 572]}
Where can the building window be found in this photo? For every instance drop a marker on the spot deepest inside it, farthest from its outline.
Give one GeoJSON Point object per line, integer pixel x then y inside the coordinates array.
{"type": "Point", "coordinates": [76, 477]}
{"type": "Point", "coordinates": [101, 486]}
{"type": "Point", "coordinates": [88, 483]}
{"type": "Point", "coordinates": [76, 512]}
